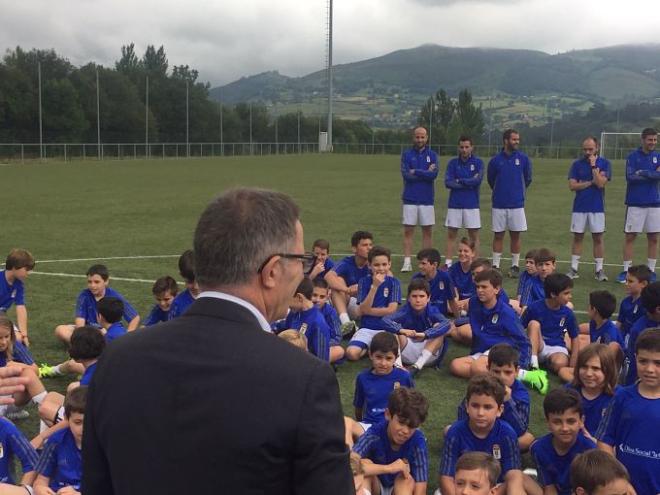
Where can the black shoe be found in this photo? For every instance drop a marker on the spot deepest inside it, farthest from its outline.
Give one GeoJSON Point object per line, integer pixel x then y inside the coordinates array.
{"type": "Point", "coordinates": [514, 272]}
{"type": "Point", "coordinates": [414, 371]}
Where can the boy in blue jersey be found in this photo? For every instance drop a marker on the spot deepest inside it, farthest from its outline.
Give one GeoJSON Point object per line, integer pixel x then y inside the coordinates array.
{"type": "Point", "coordinates": [442, 288]}
{"type": "Point", "coordinates": [60, 464]}
{"type": "Point", "coordinates": [14, 446]}
{"type": "Point", "coordinates": [306, 317]}
{"type": "Point", "coordinates": [98, 279]}
{"type": "Point", "coordinates": [164, 290]}
{"type": "Point", "coordinates": [379, 295]}
{"type": "Point", "coordinates": [343, 279]}
{"type": "Point", "coordinates": [463, 179]}
{"type": "Point", "coordinates": [374, 386]}
{"type": "Point", "coordinates": [548, 320]}
{"type": "Point", "coordinates": [421, 328]}
{"type": "Point", "coordinates": [492, 321]}
{"type": "Point", "coordinates": [461, 272]}
{"type": "Point", "coordinates": [393, 453]}
{"type": "Point", "coordinates": [630, 309]}
{"type": "Point", "coordinates": [546, 263]}
{"type": "Point", "coordinates": [503, 363]}
{"type": "Point", "coordinates": [588, 177]}
{"type": "Point", "coordinates": [323, 263]}
{"type": "Point", "coordinates": [419, 169]}
{"type": "Point", "coordinates": [629, 429]}
{"type": "Point", "coordinates": [650, 300]}
{"type": "Point", "coordinates": [554, 452]}
{"type": "Point", "coordinates": [595, 472]}
{"type": "Point", "coordinates": [642, 201]}
{"type": "Point", "coordinates": [509, 175]}
{"type": "Point", "coordinates": [110, 311]}
{"type": "Point", "coordinates": [526, 275]}
{"type": "Point", "coordinates": [183, 300]}
{"type": "Point", "coordinates": [18, 265]}
{"type": "Point", "coordinates": [320, 297]}
{"type": "Point", "coordinates": [483, 431]}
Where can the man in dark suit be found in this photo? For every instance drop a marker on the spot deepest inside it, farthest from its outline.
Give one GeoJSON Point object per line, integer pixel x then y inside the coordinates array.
{"type": "Point", "coordinates": [212, 402]}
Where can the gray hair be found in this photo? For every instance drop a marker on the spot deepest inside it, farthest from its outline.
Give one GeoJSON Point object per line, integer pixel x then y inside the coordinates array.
{"type": "Point", "coordinates": [237, 233]}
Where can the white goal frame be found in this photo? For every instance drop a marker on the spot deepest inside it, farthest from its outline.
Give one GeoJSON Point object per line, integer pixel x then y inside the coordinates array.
{"type": "Point", "coordinates": [603, 148]}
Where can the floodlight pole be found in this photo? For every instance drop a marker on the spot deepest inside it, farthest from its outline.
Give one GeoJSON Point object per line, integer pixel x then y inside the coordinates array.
{"type": "Point", "coordinates": [98, 114]}
{"type": "Point", "coordinates": [41, 127]}
{"type": "Point", "coordinates": [187, 123]}
{"type": "Point", "coordinates": [146, 118]}
{"type": "Point", "coordinates": [221, 143]}
{"type": "Point", "coordinates": [250, 128]}
{"type": "Point", "coordinates": [329, 144]}
{"type": "Point", "coordinates": [299, 148]}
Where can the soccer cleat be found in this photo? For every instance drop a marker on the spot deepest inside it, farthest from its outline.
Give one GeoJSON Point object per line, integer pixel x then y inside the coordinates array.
{"type": "Point", "coordinates": [13, 413]}
{"type": "Point", "coordinates": [348, 328]}
{"type": "Point", "coordinates": [621, 278]}
{"type": "Point", "coordinates": [538, 380]}
{"type": "Point", "coordinates": [46, 371]}
{"type": "Point", "coordinates": [573, 274]}
{"type": "Point", "coordinates": [514, 272]}
{"type": "Point", "coordinates": [600, 276]}
{"type": "Point", "coordinates": [414, 371]}
{"type": "Point", "coordinates": [407, 267]}
{"type": "Point", "coordinates": [532, 473]}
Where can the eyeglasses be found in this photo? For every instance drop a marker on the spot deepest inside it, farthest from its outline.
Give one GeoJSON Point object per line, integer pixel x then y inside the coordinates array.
{"type": "Point", "coordinates": [307, 260]}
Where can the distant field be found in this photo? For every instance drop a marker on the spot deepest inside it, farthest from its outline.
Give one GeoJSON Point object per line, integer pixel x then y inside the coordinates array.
{"type": "Point", "coordinates": [142, 214]}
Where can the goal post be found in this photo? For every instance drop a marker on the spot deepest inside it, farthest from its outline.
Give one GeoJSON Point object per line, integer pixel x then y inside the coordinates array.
{"type": "Point", "coordinates": [617, 145]}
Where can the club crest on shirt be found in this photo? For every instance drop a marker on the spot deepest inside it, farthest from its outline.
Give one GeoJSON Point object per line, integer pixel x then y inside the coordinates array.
{"type": "Point", "coordinates": [428, 159]}
{"type": "Point", "coordinates": [303, 329]}
{"type": "Point", "coordinates": [635, 309]}
{"type": "Point", "coordinates": [13, 294]}
{"type": "Point", "coordinates": [495, 318]}
{"type": "Point", "coordinates": [441, 285]}
{"type": "Point", "coordinates": [396, 385]}
{"type": "Point", "coordinates": [497, 453]}
{"type": "Point", "coordinates": [471, 167]}
{"type": "Point", "coordinates": [655, 159]}
{"type": "Point", "coordinates": [2, 451]}
{"type": "Point", "coordinates": [517, 161]}
{"type": "Point", "coordinates": [562, 321]}
{"type": "Point", "coordinates": [386, 292]}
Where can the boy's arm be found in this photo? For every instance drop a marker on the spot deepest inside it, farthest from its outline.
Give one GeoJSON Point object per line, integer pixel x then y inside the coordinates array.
{"type": "Point", "coordinates": [133, 324]}
{"type": "Point", "coordinates": [39, 440]}
{"type": "Point", "coordinates": [575, 349]}
{"type": "Point", "coordinates": [420, 488]}
{"type": "Point", "coordinates": [398, 466]}
{"type": "Point", "coordinates": [41, 486]}
{"type": "Point", "coordinates": [335, 281]}
{"type": "Point", "coordinates": [22, 322]}
{"type": "Point", "coordinates": [514, 482]}
{"type": "Point", "coordinates": [446, 484]}
{"type": "Point", "coordinates": [380, 312]}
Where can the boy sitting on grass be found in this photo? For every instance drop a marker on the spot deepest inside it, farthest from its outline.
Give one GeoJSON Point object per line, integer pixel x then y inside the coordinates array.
{"type": "Point", "coordinates": [164, 290]}
{"type": "Point", "coordinates": [18, 265]}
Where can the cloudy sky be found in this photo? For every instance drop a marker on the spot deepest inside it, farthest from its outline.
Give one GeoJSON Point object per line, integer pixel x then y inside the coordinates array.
{"type": "Point", "coordinates": [227, 39]}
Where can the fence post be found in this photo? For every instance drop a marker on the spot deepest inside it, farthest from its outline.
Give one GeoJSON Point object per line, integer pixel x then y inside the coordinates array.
{"type": "Point", "coordinates": [22, 153]}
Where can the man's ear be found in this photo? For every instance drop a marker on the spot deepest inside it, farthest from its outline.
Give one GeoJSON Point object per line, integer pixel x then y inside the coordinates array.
{"type": "Point", "coordinates": [270, 272]}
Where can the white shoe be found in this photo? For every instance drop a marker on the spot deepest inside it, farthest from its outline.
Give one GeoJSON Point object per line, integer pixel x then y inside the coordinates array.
{"type": "Point", "coordinates": [407, 267]}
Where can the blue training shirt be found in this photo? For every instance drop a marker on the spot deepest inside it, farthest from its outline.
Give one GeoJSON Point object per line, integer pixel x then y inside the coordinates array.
{"type": "Point", "coordinates": [10, 294]}
{"type": "Point", "coordinates": [554, 322]}
{"type": "Point", "coordinates": [114, 331]}
{"type": "Point", "coordinates": [630, 425]}
{"type": "Point", "coordinates": [156, 315]}
{"type": "Point", "coordinates": [554, 469]}
{"type": "Point", "coordinates": [463, 179]}
{"type": "Point", "coordinates": [594, 409]}
{"type": "Point", "coordinates": [13, 443]}
{"type": "Point", "coordinates": [181, 303]}
{"type": "Point", "coordinates": [462, 281]}
{"type": "Point", "coordinates": [372, 392]}
{"type": "Point", "coordinates": [61, 461]}
{"type": "Point", "coordinates": [419, 187]}
{"type": "Point", "coordinates": [509, 176]}
{"type": "Point", "coordinates": [86, 379]}
{"type": "Point", "coordinates": [349, 271]}
{"type": "Point", "coordinates": [430, 321]}
{"type": "Point", "coordinates": [86, 306]}
{"type": "Point", "coordinates": [629, 312]}
{"type": "Point", "coordinates": [388, 292]}
{"type": "Point", "coordinates": [375, 445]}
{"type": "Point", "coordinates": [592, 198]}
{"type": "Point", "coordinates": [313, 326]}
{"type": "Point", "coordinates": [332, 319]}
{"type": "Point", "coordinates": [533, 291]}
{"type": "Point", "coordinates": [328, 265]}
{"type": "Point", "coordinates": [20, 354]}
{"type": "Point", "coordinates": [640, 325]}
{"type": "Point", "coordinates": [442, 290]}
{"type": "Point", "coordinates": [642, 178]}
{"type": "Point", "coordinates": [608, 332]}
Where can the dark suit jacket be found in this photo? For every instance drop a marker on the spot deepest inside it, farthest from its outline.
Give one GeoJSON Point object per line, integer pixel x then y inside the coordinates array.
{"type": "Point", "coordinates": [210, 403]}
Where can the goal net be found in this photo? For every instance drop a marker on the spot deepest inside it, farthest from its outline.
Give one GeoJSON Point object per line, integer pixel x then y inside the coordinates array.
{"type": "Point", "coordinates": [617, 145]}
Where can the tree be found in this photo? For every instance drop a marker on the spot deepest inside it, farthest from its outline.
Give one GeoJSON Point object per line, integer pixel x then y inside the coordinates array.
{"type": "Point", "coordinates": [468, 119]}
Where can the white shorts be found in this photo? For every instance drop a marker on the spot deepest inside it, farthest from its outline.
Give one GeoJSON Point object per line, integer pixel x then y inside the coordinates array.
{"type": "Point", "coordinates": [364, 426]}
{"type": "Point", "coordinates": [477, 355]}
{"type": "Point", "coordinates": [640, 219]}
{"type": "Point", "coordinates": [423, 215]}
{"type": "Point", "coordinates": [413, 350]}
{"type": "Point", "coordinates": [353, 308]}
{"type": "Point", "coordinates": [583, 221]}
{"type": "Point", "coordinates": [549, 350]}
{"type": "Point", "coordinates": [362, 338]}
{"type": "Point", "coordinates": [511, 219]}
{"type": "Point", "coordinates": [463, 218]}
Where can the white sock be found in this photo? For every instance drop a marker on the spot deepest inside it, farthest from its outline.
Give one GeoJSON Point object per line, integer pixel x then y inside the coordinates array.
{"type": "Point", "coordinates": [534, 362]}
{"type": "Point", "coordinates": [398, 362]}
{"type": "Point", "coordinates": [406, 260]}
{"type": "Point", "coordinates": [522, 373]}
{"type": "Point", "coordinates": [575, 262]}
{"type": "Point", "coordinates": [515, 259]}
{"type": "Point", "coordinates": [423, 359]}
{"type": "Point", "coordinates": [39, 398]}
{"type": "Point", "coordinates": [626, 265]}
{"type": "Point", "coordinates": [496, 259]}
{"type": "Point", "coordinates": [650, 262]}
{"type": "Point", "coordinates": [448, 262]}
{"type": "Point", "coordinates": [599, 264]}
{"type": "Point", "coordinates": [42, 426]}
{"type": "Point", "coordinates": [343, 318]}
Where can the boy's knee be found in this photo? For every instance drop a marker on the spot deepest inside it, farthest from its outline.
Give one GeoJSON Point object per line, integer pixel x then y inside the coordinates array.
{"type": "Point", "coordinates": [353, 353]}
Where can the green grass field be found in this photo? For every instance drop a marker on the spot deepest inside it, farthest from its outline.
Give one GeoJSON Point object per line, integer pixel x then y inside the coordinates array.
{"type": "Point", "coordinates": [138, 216]}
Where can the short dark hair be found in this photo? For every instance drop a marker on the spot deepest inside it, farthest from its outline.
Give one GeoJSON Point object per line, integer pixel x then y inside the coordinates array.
{"type": "Point", "coordinates": [19, 258]}
{"type": "Point", "coordinates": [607, 365]}
{"type": "Point", "coordinates": [471, 461]}
{"type": "Point", "coordinates": [100, 270]}
{"type": "Point", "coordinates": [379, 251]}
{"type": "Point", "coordinates": [543, 255]}
{"type": "Point", "coordinates": [486, 384]}
{"type": "Point", "coordinates": [187, 265]}
{"type": "Point", "coordinates": [384, 342]}
{"type": "Point", "coordinates": [506, 135]}
{"type": "Point", "coordinates": [649, 131]}
{"type": "Point", "coordinates": [641, 272]}
{"type": "Point", "coordinates": [419, 284]}
{"type": "Point", "coordinates": [240, 230]}
{"type": "Point", "coordinates": [163, 285]}
{"type": "Point", "coordinates": [531, 254]}
{"type": "Point", "coordinates": [321, 244]}
{"type": "Point", "coordinates": [480, 262]}
{"type": "Point", "coordinates": [556, 283]}
{"type": "Point", "coordinates": [492, 276]}
{"type": "Point", "coordinates": [650, 297]}
{"type": "Point", "coordinates": [432, 255]}
{"type": "Point", "coordinates": [75, 401]}
{"type": "Point", "coordinates": [464, 138]}
{"type": "Point", "coordinates": [503, 354]}
{"type": "Point", "coordinates": [591, 138]}
{"type": "Point", "coordinates": [360, 235]}
{"type": "Point", "coordinates": [320, 283]}
{"type": "Point", "coordinates": [603, 301]}
{"type": "Point", "coordinates": [648, 340]}
{"type": "Point", "coordinates": [560, 400]}
{"type": "Point", "coordinates": [409, 405]}
{"type": "Point", "coordinates": [306, 288]}
{"type": "Point", "coordinates": [595, 468]}
{"type": "Point", "coordinates": [467, 242]}
{"type": "Point", "coordinates": [110, 308]}
{"type": "Point", "coordinates": [87, 342]}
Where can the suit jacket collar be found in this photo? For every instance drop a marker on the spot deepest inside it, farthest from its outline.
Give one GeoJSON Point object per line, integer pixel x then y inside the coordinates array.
{"type": "Point", "coordinates": [228, 309]}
